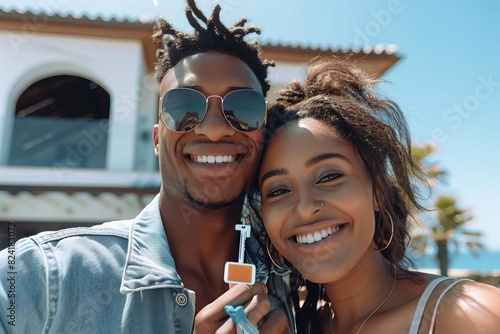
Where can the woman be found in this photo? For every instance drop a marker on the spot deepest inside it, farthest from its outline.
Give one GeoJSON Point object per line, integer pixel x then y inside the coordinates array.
{"type": "Point", "coordinates": [337, 188]}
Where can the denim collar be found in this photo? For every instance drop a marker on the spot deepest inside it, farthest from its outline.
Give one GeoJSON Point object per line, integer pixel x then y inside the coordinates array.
{"type": "Point", "coordinates": [149, 263]}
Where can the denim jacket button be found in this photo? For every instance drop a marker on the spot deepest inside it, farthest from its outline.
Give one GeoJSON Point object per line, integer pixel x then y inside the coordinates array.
{"type": "Point", "coordinates": [181, 299]}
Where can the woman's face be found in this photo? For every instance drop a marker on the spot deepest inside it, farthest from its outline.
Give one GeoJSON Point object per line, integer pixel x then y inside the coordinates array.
{"type": "Point", "coordinates": [317, 200]}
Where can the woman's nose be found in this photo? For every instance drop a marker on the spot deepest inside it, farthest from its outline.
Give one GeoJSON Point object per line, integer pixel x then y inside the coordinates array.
{"type": "Point", "coordinates": [307, 207]}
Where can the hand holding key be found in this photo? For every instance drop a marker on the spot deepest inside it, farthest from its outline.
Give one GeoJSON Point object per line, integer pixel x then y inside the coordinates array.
{"type": "Point", "coordinates": [259, 308]}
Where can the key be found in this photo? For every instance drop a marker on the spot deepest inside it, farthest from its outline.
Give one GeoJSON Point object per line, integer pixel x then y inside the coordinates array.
{"type": "Point", "coordinates": [240, 272]}
{"type": "Point", "coordinates": [244, 234]}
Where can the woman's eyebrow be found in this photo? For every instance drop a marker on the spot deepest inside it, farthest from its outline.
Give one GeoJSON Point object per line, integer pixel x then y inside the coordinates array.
{"type": "Point", "coordinates": [309, 163]}
{"type": "Point", "coordinates": [321, 157]}
{"type": "Point", "coordinates": [273, 172]}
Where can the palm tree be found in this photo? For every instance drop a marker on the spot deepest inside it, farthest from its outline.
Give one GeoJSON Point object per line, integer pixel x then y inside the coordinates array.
{"type": "Point", "coordinates": [434, 173]}
{"type": "Point", "coordinates": [450, 229]}
{"type": "Point", "coordinates": [446, 227]}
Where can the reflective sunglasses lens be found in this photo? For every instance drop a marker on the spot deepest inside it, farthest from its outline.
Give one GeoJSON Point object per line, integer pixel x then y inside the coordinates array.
{"type": "Point", "coordinates": [245, 110]}
{"type": "Point", "coordinates": [183, 109]}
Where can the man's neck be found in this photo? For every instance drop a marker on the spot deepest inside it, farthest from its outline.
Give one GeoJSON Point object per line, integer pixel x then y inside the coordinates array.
{"type": "Point", "coordinates": [201, 242]}
{"type": "Point", "coordinates": [205, 226]}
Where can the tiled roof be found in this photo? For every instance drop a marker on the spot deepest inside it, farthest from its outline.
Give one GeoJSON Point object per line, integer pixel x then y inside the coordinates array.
{"type": "Point", "coordinates": [379, 49]}
{"type": "Point", "coordinates": [64, 207]}
{"type": "Point", "coordinates": [146, 22]}
{"type": "Point", "coordinates": [83, 19]}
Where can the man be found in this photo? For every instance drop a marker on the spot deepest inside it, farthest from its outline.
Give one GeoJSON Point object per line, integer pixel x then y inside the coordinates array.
{"type": "Point", "coordinates": [162, 272]}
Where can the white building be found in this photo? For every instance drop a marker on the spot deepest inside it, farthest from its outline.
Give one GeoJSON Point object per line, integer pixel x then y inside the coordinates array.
{"type": "Point", "coordinates": [77, 106]}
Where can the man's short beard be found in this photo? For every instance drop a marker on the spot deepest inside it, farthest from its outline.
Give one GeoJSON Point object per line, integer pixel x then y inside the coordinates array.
{"type": "Point", "coordinates": [203, 204]}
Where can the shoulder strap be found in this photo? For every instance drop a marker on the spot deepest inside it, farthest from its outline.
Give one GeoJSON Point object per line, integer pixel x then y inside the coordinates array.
{"type": "Point", "coordinates": [434, 314]}
{"type": "Point", "coordinates": [419, 311]}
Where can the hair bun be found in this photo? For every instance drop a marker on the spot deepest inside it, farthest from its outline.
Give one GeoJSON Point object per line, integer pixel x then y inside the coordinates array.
{"type": "Point", "coordinates": [330, 77]}
{"type": "Point", "coordinates": [292, 94]}
{"type": "Point", "coordinates": [339, 78]}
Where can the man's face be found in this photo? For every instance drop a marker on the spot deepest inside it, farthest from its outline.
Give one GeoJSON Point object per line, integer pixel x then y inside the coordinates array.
{"type": "Point", "coordinates": [186, 159]}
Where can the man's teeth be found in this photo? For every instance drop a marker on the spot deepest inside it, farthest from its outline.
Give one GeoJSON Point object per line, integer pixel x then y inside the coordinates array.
{"type": "Point", "coordinates": [210, 159]}
{"type": "Point", "coordinates": [316, 236]}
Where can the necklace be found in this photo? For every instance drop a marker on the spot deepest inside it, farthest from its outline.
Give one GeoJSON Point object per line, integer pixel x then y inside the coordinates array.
{"type": "Point", "coordinates": [374, 311]}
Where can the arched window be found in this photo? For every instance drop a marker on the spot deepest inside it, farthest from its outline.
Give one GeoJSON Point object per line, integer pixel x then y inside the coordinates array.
{"type": "Point", "coordinates": [61, 121]}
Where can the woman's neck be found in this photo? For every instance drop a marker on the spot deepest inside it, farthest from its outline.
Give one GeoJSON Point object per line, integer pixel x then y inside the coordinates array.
{"type": "Point", "coordinates": [363, 290]}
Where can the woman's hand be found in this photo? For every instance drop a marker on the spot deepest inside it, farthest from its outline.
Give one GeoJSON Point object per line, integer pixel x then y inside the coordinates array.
{"type": "Point", "coordinates": [260, 309]}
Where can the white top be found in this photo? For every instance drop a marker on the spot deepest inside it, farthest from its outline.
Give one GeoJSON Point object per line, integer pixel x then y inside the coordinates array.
{"type": "Point", "coordinates": [419, 312]}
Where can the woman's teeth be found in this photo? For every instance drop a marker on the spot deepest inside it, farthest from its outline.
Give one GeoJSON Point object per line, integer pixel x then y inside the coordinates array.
{"type": "Point", "coordinates": [316, 236]}
{"type": "Point", "coordinates": [211, 159]}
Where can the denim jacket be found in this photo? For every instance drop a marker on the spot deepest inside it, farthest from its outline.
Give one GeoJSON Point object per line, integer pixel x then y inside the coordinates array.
{"type": "Point", "coordinates": [118, 277]}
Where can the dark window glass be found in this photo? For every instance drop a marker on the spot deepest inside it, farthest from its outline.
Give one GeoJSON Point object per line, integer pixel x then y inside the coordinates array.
{"type": "Point", "coordinates": [61, 122]}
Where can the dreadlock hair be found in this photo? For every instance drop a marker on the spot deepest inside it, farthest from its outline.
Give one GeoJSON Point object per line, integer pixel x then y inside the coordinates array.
{"type": "Point", "coordinates": [342, 96]}
{"type": "Point", "coordinates": [176, 45]}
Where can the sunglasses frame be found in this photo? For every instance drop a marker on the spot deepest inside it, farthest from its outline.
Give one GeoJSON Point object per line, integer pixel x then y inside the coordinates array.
{"type": "Point", "coordinates": [221, 109]}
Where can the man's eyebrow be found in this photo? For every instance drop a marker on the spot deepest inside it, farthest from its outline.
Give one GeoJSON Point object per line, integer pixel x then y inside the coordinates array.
{"type": "Point", "coordinates": [274, 172]}
{"type": "Point", "coordinates": [200, 88]}
{"type": "Point", "coordinates": [321, 157]}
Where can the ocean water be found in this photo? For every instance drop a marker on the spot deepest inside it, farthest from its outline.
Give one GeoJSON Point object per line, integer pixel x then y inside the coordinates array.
{"type": "Point", "coordinates": [485, 262]}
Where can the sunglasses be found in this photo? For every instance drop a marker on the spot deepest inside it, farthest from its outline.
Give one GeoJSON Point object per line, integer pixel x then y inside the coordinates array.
{"type": "Point", "coordinates": [183, 109]}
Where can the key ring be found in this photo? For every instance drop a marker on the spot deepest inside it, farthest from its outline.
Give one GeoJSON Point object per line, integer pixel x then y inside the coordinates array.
{"type": "Point", "coordinates": [239, 317]}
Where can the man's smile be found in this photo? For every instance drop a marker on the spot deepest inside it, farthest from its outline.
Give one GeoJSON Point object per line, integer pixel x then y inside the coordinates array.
{"type": "Point", "coordinates": [213, 159]}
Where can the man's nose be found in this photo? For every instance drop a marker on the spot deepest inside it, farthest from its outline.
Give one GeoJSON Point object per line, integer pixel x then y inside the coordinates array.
{"type": "Point", "coordinates": [214, 126]}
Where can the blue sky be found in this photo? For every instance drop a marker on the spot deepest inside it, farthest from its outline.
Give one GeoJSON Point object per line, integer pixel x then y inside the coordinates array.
{"type": "Point", "coordinates": [448, 82]}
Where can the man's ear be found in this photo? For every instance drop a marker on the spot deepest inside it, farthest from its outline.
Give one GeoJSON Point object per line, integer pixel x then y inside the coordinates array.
{"type": "Point", "coordinates": [155, 138]}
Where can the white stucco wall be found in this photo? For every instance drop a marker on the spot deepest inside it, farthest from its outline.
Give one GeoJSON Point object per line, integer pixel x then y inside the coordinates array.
{"type": "Point", "coordinates": [118, 66]}
{"type": "Point", "coordinates": [285, 72]}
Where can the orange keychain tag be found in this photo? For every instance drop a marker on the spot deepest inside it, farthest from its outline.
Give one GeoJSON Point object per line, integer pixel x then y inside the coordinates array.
{"type": "Point", "coordinates": [240, 272]}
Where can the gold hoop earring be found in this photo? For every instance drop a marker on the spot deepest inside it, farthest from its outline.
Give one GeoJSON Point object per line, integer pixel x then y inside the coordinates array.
{"type": "Point", "coordinates": [271, 257]}
{"type": "Point", "coordinates": [392, 234]}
